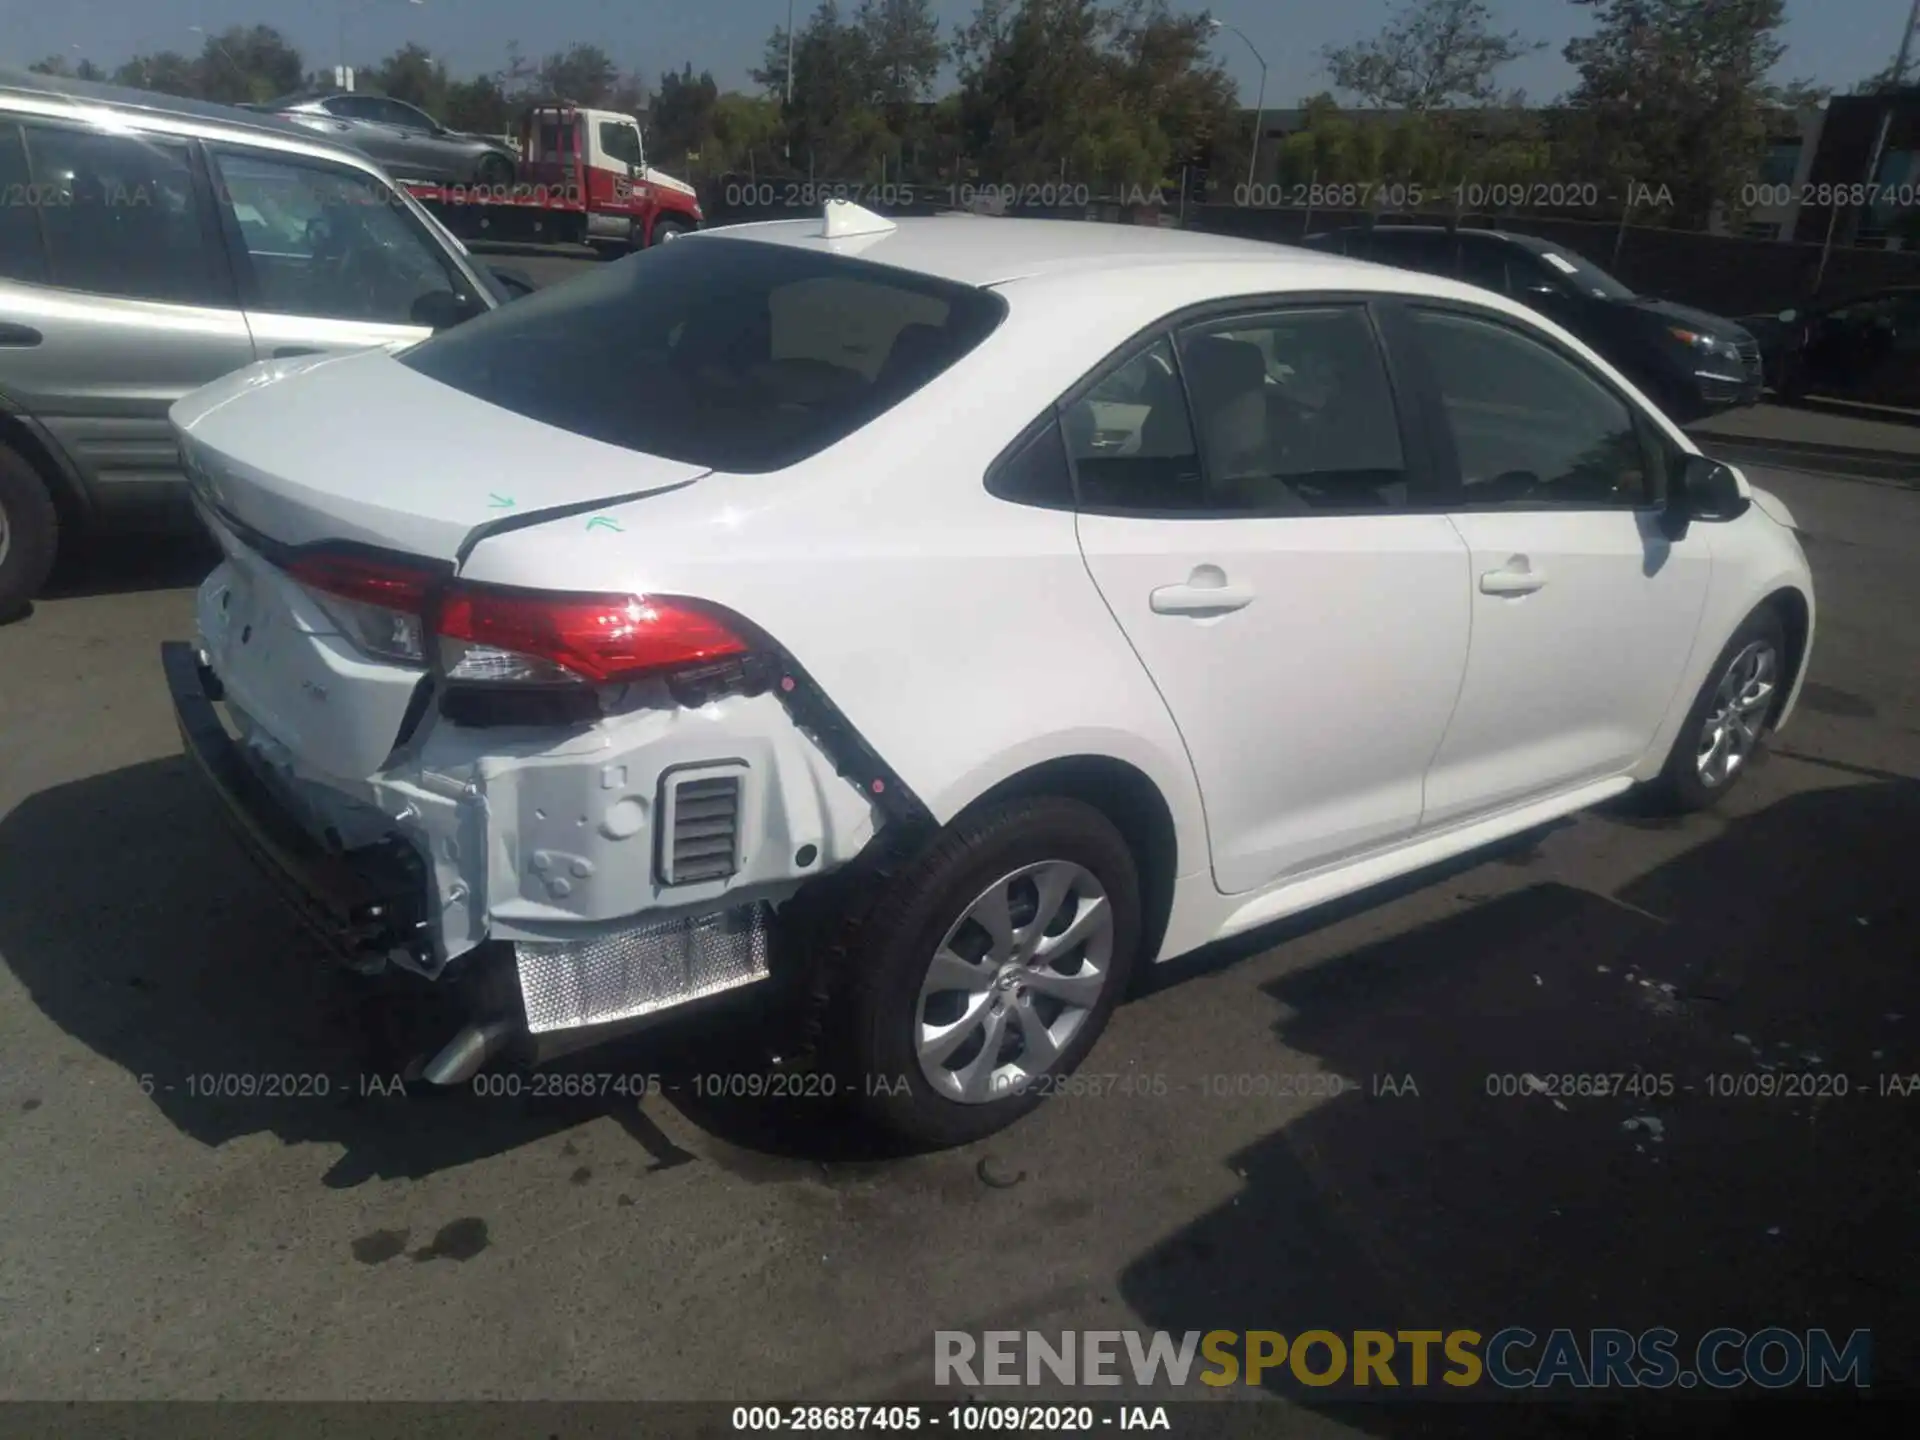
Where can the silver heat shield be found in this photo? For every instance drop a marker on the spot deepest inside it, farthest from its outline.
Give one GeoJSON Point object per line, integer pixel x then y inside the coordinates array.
{"type": "Point", "coordinates": [635, 972]}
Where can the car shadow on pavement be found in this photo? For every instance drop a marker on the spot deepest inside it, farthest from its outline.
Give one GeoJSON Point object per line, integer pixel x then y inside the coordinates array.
{"type": "Point", "coordinates": [1446, 1190]}
{"type": "Point", "coordinates": [139, 926]}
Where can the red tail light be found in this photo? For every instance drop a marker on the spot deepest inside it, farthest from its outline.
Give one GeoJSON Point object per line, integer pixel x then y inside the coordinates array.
{"type": "Point", "coordinates": [375, 601]}
{"type": "Point", "coordinates": [390, 584]}
{"type": "Point", "coordinates": [496, 633]}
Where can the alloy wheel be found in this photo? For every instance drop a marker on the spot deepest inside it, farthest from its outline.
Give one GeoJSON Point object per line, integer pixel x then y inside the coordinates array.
{"type": "Point", "coordinates": [1737, 713]}
{"type": "Point", "coordinates": [1012, 982]}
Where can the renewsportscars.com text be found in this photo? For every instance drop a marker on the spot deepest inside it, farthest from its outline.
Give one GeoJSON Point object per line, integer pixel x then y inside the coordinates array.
{"type": "Point", "coordinates": [1513, 1358]}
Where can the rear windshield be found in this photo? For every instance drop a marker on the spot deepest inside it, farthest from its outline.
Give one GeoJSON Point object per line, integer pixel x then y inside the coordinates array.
{"type": "Point", "coordinates": [731, 354]}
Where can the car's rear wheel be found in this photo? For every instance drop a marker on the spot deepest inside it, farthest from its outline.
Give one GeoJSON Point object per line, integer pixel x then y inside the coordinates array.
{"type": "Point", "coordinates": [29, 533]}
{"type": "Point", "coordinates": [1728, 723]}
{"type": "Point", "coordinates": [988, 968]}
{"type": "Point", "coordinates": [494, 170]}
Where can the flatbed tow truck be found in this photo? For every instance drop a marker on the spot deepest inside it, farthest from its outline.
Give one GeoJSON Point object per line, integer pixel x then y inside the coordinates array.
{"type": "Point", "coordinates": [582, 179]}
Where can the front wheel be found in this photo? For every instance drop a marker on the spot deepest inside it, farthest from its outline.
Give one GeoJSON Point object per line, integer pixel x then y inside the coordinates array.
{"type": "Point", "coordinates": [988, 968]}
{"type": "Point", "coordinates": [665, 230]}
{"type": "Point", "coordinates": [1728, 722]}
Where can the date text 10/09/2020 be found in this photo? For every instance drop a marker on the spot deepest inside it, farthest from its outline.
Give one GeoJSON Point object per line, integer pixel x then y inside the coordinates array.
{"type": "Point", "coordinates": [961, 1419]}
{"type": "Point", "coordinates": [959, 195]}
{"type": "Point", "coordinates": [542, 1084]}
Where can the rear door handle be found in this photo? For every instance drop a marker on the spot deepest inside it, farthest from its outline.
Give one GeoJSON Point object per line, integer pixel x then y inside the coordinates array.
{"type": "Point", "coordinates": [1203, 599]}
{"type": "Point", "coordinates": [19, 336]}
{"type": "Point", "coordinates": [1512, 581]}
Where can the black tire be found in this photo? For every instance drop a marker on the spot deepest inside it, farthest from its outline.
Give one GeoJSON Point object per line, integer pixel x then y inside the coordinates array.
{"type": "Point", "coordinates": [494, 170]}
{"type": "Point", "coordinates": [913, 915]}
{"type": "Point", "coordinates": [29, 534]}
{"type": "Point", "coordinates": [665, 230]}
{"type": "Point", "coordinates": [1680, 787]}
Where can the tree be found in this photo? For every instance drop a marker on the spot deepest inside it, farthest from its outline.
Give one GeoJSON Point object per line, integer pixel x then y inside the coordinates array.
{"type": "Point", "coordinates": [903, 48]}
{"type": "Point", "coordinates": [746, 133]}
{"type": "Point", "coordinates": [57, 65]}
{"type": "Point", "coordinates": [682, 119]}
{"type": "Point", "coordinates": [1074, 91]}
{"type": "Point", "coordinates": [1798, 94]}
{"type": "Point", "coordinates": [1160, 71]}
{"type": "Point", "coordinates": [479, 106]}
{"type": "Point", "coordinates": [1433, 54]}
{"type": "Point", "coordinates": [168, 72]}
{"type": "Point", "coordinates": [413, 75]}
{"type": "Point", "coordinates": [1882, 82]}
{"type": "Point", "coordinates": [1031, 84]}
{"type": "Point", "coordinates": [833, 125]}
{"type": "Point", "coordinates": [1673, 95]}
{"type": "Point", "coordinates": [247, 65]}
{"type": "Point", "coordinates": [584, 74]}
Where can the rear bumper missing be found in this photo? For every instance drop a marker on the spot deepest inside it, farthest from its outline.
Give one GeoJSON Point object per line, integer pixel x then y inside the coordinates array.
{"type": "Point", "coordinates": [364, 904]}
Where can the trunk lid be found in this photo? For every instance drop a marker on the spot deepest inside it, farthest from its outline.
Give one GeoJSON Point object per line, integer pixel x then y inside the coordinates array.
{"type": "Point", "coordinates": [340, 447]}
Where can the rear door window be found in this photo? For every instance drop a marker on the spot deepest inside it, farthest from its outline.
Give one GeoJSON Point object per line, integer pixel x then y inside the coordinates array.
{"type": "Point", "coordinates": [330, 242]}
{"type": "Point", "coordinates": [1295, 413]}
{"type": "Point", "coordinates": [354, 107]}
{"type": "Point", "coordinates": [732, 354]}
{"type": "Point", "coordinates": [398, 112]}
{"type": "Point", "coordinates": [121, 216]}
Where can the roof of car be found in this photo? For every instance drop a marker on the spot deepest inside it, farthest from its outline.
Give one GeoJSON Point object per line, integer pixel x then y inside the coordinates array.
{"type": "Point", "coordinates": [987, 250]}
{"type": "Point", "coordinates": [87, 92]}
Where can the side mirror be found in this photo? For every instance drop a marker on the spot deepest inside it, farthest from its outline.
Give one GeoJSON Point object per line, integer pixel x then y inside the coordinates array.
{"type": "Point", "coordinates": [1706, 489]}
{"type": "Point", "coordinates": [442, 310]}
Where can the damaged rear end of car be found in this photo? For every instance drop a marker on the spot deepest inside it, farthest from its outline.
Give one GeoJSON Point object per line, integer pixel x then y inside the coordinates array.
{"type": "Point", "coordinates": [581, 809]}
{"type": "Point", "coordinates": [586, 812]}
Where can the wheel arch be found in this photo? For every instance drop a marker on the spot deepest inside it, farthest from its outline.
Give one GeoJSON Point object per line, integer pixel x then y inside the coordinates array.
{"type": "Point", "coordinates": [71, 502]}
{"type": "Point", "coordinates": [1130, 799]}
{"type": "Point", "coordinates": [1795, 610]}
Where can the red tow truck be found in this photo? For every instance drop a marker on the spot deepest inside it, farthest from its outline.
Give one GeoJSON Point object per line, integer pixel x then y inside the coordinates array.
{"type": "Point", "coordinates": [583, 178]}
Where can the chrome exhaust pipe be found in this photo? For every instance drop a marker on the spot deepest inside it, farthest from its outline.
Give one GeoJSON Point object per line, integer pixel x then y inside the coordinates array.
{"type": "Point", "coordinates": [462, 1057]}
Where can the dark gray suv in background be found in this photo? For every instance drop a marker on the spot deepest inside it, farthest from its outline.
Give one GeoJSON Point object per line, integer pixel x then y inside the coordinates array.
{"type": "Point", "coordinates": [150, 245]}
{"type": "Point", "coordinates": [1689, 362]}
{"type": "Point", "coordinates": [410, 143]}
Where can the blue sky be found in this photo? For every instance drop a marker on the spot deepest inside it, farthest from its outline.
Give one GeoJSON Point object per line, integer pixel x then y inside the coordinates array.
{"type": "Point", "coordinates": [1832, 41]}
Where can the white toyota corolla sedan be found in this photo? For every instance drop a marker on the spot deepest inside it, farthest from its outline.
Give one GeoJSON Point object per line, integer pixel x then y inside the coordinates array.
{"type": "Point", "coordinates": [950, 617]}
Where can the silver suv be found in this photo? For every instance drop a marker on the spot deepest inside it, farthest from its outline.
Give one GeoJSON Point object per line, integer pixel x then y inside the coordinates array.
{"type": "Point", "coordinates": [149, 245]}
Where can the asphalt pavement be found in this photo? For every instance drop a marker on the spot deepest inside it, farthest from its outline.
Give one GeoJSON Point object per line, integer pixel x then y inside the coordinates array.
{"type": "Point", "coordinates": [161, 1237]}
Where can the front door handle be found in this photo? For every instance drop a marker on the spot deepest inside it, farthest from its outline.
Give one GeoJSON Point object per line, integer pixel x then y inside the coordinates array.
{"type": "Point", "coordinates": [289, 352]}
{"type": "Point", "coordinates": [19, 336]}
{"type": "Point", "coordinates": [1205, 593]}
{"type": "Point", "coordinates": [1516, 577]}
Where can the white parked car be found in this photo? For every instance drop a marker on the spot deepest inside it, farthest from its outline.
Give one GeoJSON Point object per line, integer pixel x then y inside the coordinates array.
{"type": "Point", "coordinates": [953, 616]}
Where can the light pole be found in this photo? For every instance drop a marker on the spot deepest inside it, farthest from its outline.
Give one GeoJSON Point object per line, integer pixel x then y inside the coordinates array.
{"type": "Point", "coordinates": [1260, 101]}
{"type": "Point", "coordinates": [1886, 114]}
{"type": "Point", "coordinates": [348, 12]}
{"type": "Point", "coordinates": [790, 53]}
